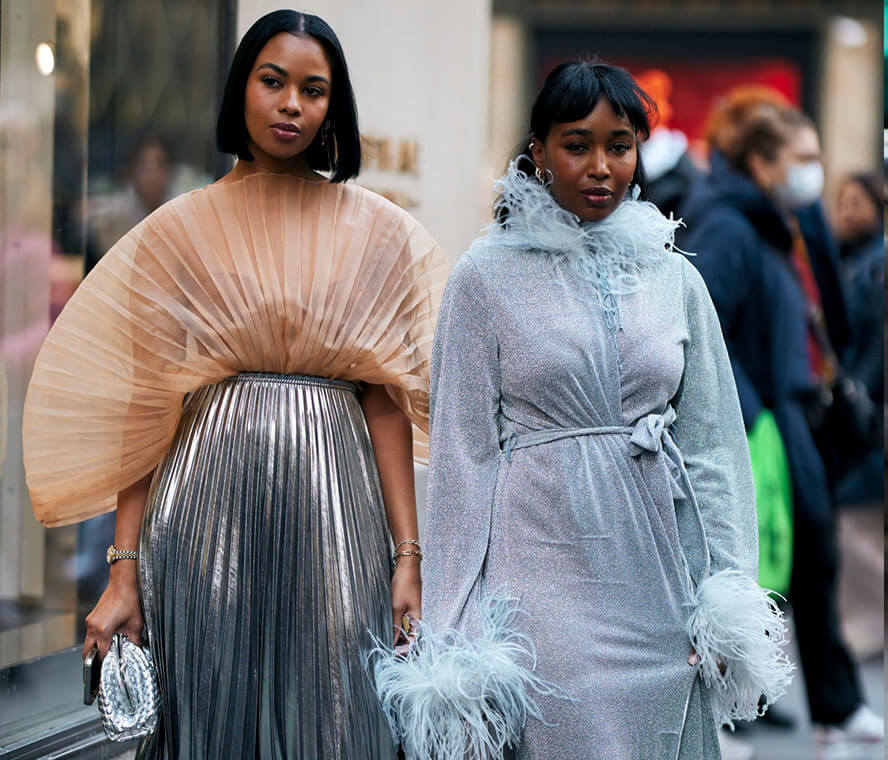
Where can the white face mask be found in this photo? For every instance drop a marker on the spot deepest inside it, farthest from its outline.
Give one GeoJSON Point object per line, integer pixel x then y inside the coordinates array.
{"type": "Point", "coordinates": [803, 185]}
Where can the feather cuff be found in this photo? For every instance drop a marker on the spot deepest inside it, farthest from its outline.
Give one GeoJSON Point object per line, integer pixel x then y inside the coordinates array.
{"type": "Point", "coordinates": [452, 697]}
{"type": "Point", "coordinates": [736, 624]}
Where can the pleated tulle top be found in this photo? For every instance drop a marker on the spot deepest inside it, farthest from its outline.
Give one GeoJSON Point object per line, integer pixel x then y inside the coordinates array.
{"type": "Point", "coordinates": [257, 272]}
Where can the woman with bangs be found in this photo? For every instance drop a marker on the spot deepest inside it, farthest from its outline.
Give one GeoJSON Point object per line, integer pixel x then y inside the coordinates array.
{"type": "Point", "coordinates": [591, 547]}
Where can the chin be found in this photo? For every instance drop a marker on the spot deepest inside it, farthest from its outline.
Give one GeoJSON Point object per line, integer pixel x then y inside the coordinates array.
{"type": "Point", "coordinates": [596, 215]}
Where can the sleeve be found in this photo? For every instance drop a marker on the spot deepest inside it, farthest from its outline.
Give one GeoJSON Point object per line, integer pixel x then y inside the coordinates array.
{"type": "Point", "coordinates": [710, 433]}
{"type": "Point", "coordinates": [722, 257]}
{"type": "Point", "coordinates": [465, 687]}
{"type": "Point", "coordinates": [734, 624]}
{"type": "Point", "coordinates": [465, 451]}
{"type": "Point", "coordinates": [262, 274]}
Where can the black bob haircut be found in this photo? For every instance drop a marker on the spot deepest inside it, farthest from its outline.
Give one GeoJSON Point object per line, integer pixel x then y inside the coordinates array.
{"type": "Point", "coordinates": [574, 88]}
{"type": "Point", "coordinates": [342, 154]}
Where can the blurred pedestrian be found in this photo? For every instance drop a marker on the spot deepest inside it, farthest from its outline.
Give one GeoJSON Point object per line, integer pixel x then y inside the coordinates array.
{"type": "Point", "coordinates": [754, 225]}
{"type": "Point", "coordinates": [239, 376]}
{"type": "Point", "coordinates": [670, 170]}
{"type": "Point", "coordinates": [861, 232]}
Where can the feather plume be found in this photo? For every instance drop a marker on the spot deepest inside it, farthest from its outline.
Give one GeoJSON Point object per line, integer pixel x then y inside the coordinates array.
{"type": "Point", "coordinates": [613, 254]}
{"type": "Point", "coordinates": [452, 697]}
{"type": "Point", "coordinates": [737, 625]}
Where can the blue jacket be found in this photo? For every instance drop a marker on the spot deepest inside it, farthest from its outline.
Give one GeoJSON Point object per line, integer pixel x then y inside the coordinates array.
{"type": "Point", "coordinates": [743, 250]}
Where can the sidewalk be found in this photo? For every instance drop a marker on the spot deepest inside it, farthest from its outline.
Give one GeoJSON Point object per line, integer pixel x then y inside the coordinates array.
{"type": "Point", "coordinates": [800, 744]}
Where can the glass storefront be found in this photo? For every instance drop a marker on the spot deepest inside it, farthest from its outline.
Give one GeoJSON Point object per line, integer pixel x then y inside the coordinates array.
{"type": "Point", "coordinates": [107, 109]}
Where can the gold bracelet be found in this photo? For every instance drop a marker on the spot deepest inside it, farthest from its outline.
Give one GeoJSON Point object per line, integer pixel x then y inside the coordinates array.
{"type": "Point", "coordinates": [407, 553]}
{"type": "Point", "coordinates": [413, 541]}
{"type": "Point", "coordinates": [113, 554]}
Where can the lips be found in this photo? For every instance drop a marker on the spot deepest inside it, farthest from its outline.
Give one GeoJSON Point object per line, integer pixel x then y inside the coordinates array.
{"type": "Point", "coordinates": [286, 130]}
{"type": "Point", "coordinates": [597, 196]}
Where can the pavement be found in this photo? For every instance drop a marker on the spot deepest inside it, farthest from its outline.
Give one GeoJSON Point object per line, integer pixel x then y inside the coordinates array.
{"type": "Point", "coordinates": [800, 743]}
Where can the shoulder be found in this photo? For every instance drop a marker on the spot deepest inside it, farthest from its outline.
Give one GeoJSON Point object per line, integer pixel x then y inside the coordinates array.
{"type": "Point", "coordinates": [721, 222]}
{"type": "Point", "coordinates": [692, 283]}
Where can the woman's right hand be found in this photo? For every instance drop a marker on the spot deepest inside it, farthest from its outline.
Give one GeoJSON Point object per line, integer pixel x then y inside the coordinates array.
{"type": "Point", "coordinates": [117, 611]}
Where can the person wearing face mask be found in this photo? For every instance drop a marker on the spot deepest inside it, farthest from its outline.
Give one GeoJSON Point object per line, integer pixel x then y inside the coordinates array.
{"type": "Point", "coordinates": [588, 458]}
{"type": "Point", "coordinates": [762, 246]}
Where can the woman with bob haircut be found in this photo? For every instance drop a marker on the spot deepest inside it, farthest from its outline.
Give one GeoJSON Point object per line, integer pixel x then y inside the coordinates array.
{"type": "Point", "coordinates": [239, 376]}
{"type": "Point", "coordinates": [588, 463]}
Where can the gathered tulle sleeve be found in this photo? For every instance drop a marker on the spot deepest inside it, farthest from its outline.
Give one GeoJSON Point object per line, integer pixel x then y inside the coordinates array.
{"type": "Point", "coordinates": [266, 273]}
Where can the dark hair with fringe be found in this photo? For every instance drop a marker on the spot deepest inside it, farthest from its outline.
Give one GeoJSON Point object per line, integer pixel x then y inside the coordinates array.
{"type": "Point", "coordinates": [343, 158]}
{"type": "Point", "coordinates": [574, 88]}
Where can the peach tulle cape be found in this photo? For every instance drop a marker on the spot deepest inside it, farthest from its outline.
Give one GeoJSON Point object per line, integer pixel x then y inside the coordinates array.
{"type": "Point", "coordinates": [265, 272]}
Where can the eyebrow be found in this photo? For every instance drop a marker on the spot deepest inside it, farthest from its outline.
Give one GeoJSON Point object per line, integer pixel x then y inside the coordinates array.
{"type": "Point", "coordinates": [588, 132]}
{"type": "Point", "coordinates": [283, 72]}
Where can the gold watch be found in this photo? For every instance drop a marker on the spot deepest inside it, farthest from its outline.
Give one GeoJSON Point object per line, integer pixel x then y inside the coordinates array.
{"type": "Point", "coordinates": [113, 554]}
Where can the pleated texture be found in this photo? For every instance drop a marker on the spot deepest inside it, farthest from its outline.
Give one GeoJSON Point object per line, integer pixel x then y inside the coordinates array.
{"type": "Point", "coordinates": [265, 273]}
{"type": "Point", "coordinates": [264, 571]}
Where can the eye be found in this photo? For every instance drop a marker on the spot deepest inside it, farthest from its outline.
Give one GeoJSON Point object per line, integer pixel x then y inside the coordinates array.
{"type": "Point", "coordinates": [577, 147]}
{"type": "Point", "coordinates": [271, 81]}
{"type": "Point", "coordinates": [621, 148]}
{"type": "Point", "coordinates": [313, 92]}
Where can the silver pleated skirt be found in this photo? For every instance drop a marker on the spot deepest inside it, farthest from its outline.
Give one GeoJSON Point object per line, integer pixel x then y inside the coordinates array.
{"type": "Point", "coordinates": [265, 568]}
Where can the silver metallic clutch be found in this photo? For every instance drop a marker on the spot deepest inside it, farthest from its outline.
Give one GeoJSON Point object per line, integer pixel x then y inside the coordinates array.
{"type": "Point", "coordinates": [128, 694]}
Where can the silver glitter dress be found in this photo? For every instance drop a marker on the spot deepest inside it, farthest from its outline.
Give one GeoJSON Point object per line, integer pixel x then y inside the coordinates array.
{"type": "Point", "coordinates": [265, 567]}
{"type": "Point", "coordinates": [588, 456]}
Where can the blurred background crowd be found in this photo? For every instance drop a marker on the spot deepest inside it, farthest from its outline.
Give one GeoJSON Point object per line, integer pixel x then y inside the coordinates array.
{"type": "Point", "coordinates": [769, 144]}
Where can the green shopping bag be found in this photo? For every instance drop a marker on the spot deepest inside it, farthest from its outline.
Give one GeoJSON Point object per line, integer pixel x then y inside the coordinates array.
{"type": "Point", "coordinates": [773, 499]}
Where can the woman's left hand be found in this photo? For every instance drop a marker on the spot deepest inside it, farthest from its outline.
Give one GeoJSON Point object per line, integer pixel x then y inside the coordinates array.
{"type": "Point", "coordinates": [694, 659]}
{"type": "Point", "coordinates": [406, 597]}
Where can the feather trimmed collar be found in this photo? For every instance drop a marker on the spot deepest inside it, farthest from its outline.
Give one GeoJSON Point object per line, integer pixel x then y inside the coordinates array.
{"type": "Point", "coordinates": [613, 254]}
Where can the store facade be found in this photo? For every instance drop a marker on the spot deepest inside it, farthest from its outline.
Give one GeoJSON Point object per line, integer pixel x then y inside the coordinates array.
{"type": "Point", "coordinates": [108, 107]}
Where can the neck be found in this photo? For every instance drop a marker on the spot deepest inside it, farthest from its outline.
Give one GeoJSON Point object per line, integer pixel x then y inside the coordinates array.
{"type": "Point", "coordinates": [296, 166]}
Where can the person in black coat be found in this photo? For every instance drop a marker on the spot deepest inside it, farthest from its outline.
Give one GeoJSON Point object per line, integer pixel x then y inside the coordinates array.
{"type": "Point", "coordinates": [860, 230]}
{"type": "Point", "coordinates": [746, 223]}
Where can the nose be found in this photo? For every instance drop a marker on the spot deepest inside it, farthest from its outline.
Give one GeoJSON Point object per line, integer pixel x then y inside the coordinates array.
{"type": "Point", "coordinates": [290, 101]}
{"type": "Point", "coordinates": [598, 167]}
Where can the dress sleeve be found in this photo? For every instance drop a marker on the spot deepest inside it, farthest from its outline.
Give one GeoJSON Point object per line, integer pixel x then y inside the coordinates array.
{"type": "Point", "coordinates": [736, 629]}
{"type": "Point", "coordinates": [466, 687]}
{"type": "Point", "coordinates": [710, 432]}
{"type": "Point", "coordinates": [465, 452]}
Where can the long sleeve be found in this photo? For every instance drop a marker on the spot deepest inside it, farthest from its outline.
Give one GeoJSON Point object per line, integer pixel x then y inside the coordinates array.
{"type": "Point", "coordinates": [710, 432]}
{"type": "Point", "coordinates": [733, 624]}
{"type": "Point", "coordinates": [465, 453]}
{"type": "Point", "coordinates": [464, 689]}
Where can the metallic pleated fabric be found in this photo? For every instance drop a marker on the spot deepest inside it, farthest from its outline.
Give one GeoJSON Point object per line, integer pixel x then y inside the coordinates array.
{"type": "Point", "coordinates": [264, 570]}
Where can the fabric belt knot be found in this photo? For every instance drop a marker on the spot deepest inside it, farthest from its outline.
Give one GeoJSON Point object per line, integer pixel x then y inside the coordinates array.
{"type": "Point", "coordinates": [648, 433]}
{"type": "Point", "coordinates": [651, 435]}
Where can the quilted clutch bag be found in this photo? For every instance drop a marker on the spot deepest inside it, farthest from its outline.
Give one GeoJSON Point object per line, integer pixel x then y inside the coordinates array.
{"type": "Point", "coordinates": [128, 694]}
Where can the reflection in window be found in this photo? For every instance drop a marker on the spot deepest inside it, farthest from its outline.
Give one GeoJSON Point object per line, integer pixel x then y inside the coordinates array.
{"type": "Point", "coordinates": [107, 110]}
